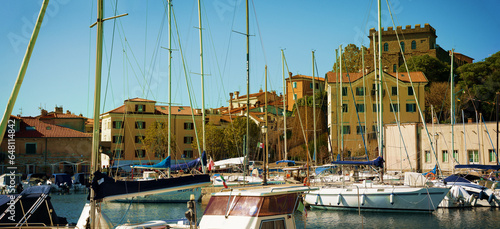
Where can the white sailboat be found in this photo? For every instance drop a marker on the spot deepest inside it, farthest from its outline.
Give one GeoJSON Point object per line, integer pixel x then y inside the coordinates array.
{"type": "Point", "coordinates": [367, 196]}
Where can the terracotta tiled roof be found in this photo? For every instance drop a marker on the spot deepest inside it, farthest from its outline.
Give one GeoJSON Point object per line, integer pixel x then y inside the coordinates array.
{"type": "Point", "coordinates": [32, 127]}
{"type": "Point", "coordinates": [14, 117]}
{"type": "Point", "coordinates": [59, 115]}
{"type": "Point", "coordinates": [140, 100]}
{"type": "Point", "coordinates": [118, 110]}
{"type": "Point", "coordinates": [417, 77]}
{"type": "Point", "coordinates": [177, 110]}
{"type": "Point", "coordinates": [306, 77]}
{"type": "Point", "coordinates": [251, 95]}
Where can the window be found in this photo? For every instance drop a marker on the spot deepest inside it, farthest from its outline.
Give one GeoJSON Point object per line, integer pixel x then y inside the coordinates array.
{"type": "Point", "coordinates": [344, 91]}
{"type": "Point", "coordinates": [374, 89]}
{"type": "Point", "coordinates": [159, 155]}
{"type": "Point", "coordinates": [394, 107]}
{"type": "Point", "coordinates": [311, 85]}
{"type": "Point", "coordinates": [473, 156]}
{"type": "Point", "coordinates": [346, 129]}
{"type": "Point", "coordinates": [140, 153]}
{"type": "Point", "coordinates": [360, 129]}
{"type": "Point", "coordinates": [402, 46]}
{"type": "Point", "coordinates": [394, 90]}
{"type": "Point", "coordinates": [375, 108]}
{"type": "Point", "coordinates": [427, 156]}
{"type": "Point", "coordinates": [411, 107]}
{"type": "Point", "coordinates": [30, 148]}
{"type": "Point", "coordinates": [492, 155]}
{"type": "Point", "coordinates": [188, 125]}
{"type": "Point", "coordinates": [140, 125]}
{"type": "Point", "coordinates": [118, 153]}
{"type": "Point", "coordinates": [117, 124]}
{"type": "Point", "coordinates": [188, 140]}
{"type": "Point", "coordinates": [294, 96]}
{"type": "Point", "coordinates": [187, 154]}
{"type": "Point", "coordinates": [394, 68]}
{"type": "Point", "coordinates": [117, 139]}
{"type": "Point", "coordinates": [413, 44]}
{"type": "Point", "coordinates": [294, 84]}
{"type": "Point", "coordinates": [138, 139]}
{"type": "Point", "coordinates": [410, 91]}
{"type": "Point", "coordinates": [317, 85]}
{"type": "Point", "coordinates": [273, 224]}
{"type": "Point", "coordinates": [360, 91]}
{"type": "Point", "coordinates": [386, 47]}
{"type": "Point", "coordinates": [455, 155]}
{"type": "Point", "coordinates": [445, 155]}
{"type": "Point", "coordinates": [140, 108]}
{"type": "Point", "coordinates": [360, 108]}
{"type": "Point", "coordinates": [345, 108]}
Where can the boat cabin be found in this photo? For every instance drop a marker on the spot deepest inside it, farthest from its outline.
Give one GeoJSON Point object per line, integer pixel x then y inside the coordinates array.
{"type": "Point", "coordinates": [270, 207]}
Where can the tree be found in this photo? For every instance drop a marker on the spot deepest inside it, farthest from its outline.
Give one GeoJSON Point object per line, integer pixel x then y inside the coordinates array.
{"type": "Point", "coordinates": [480, 82]}
{"type": "Point", "coordinates": [352, 59]}
{"type": "Point", "coordinates": [156, 140]}
{"type": "Point", "coordinates": [233, 137]}
{"type": "Point", "coordinates": [434, 69]}
{"type": "Point", "coordinates": [438, 95]}
{"type": "Point", "coordinates": [214, 141]}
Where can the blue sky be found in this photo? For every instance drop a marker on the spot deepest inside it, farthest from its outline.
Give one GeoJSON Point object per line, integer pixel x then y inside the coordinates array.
{"type": "Point", "coordinates": [61, 69]}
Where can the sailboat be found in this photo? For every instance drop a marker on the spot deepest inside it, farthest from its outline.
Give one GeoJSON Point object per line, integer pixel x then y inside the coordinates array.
{"type": "Point", "coordinates": [104, 188]}
{"type": "Point", "coordinates": [376, 197]}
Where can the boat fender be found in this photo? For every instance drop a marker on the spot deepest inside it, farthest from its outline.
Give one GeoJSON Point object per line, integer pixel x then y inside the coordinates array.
{"type": "Point", "coordinates": [391, 198]}
{"type": "Point", "coordinates": [317, 199]}
{"type": "Point", "coordinates": [491, 198]}
{"type": "Point", "coordinates": [483, 196]}
{"type": "Point", "coordinates": [363, 199]}
{"type": "Point", "coordinates": [471, 199]}
{"type": "Point", "coordinates": [339, 199]}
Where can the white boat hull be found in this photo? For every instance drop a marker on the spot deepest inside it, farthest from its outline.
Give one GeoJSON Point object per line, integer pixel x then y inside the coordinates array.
{"type": "Point", "coordinates": [377, 198]}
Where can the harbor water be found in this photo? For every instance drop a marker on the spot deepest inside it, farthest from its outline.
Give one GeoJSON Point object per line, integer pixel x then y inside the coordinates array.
{"type": "Point", "coordinates": [70, 206]}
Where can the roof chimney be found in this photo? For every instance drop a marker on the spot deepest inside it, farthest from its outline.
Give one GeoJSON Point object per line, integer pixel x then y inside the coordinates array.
{"type": "Point", "coordinates": [44, 112]}
{"type": "Point", "coordinates": [58, 110]}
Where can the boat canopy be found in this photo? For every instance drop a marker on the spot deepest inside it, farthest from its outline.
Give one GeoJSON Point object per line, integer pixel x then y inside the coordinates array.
{"type": "Point", "coordinates": [286, 161]}
{"type": "Point", "coordinates": [191, 164]}
{"type": "Point", "coordinates": [165, 164]}
{"type": "Point", "coordinates": [230, 161]}
{"type": "Point", "coordinates": [379, 162]}
{"type": "Point", "coordinates": [478, 166]}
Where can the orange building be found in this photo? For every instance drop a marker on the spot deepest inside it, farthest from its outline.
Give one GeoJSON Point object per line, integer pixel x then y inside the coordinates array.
{"type": "Point", "coordinates": [300, 86]}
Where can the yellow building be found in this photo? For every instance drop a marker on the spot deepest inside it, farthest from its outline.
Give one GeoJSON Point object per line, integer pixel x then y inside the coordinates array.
{"type": "Point", "coordinates": [348, 128]}
{"type": "Point", "coordinates": [124, 127]}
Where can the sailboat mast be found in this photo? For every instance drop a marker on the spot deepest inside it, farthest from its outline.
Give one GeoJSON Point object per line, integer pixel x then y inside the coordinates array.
{"type": "Point", "coordinates": [22, 71]}
{"type": "Point", "coordinates": [284, 103]}
{"type": "Point", "coordinates": [341, 104]}
{"type": "Point", "coordinates": [381, 142]}
{"type": "Point", "coordinates": [452, 111]}
{"type": "Point", "coordinates": [97, 105]}
{"type": "Point", "coordinates": [314, 111]}
{"type": "Point", "coordinates": [266, 152]}
{"type": "Point", "coordinates": [169, 80]}
{"type": "Point", "coordinates": [248, 91]}
{"type": "Point", "coordinates": [202, 86]}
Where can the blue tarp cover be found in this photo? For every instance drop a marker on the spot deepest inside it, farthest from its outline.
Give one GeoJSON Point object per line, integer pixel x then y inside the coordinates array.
{"type": "Point", "coordinates": [285, 161]}
{"type": "Point", "coordinates": [379, 162]}
{"type": "Point", "coordinates": [478, 166]}
{"type": "Point", "coordinates": [160, 165]}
